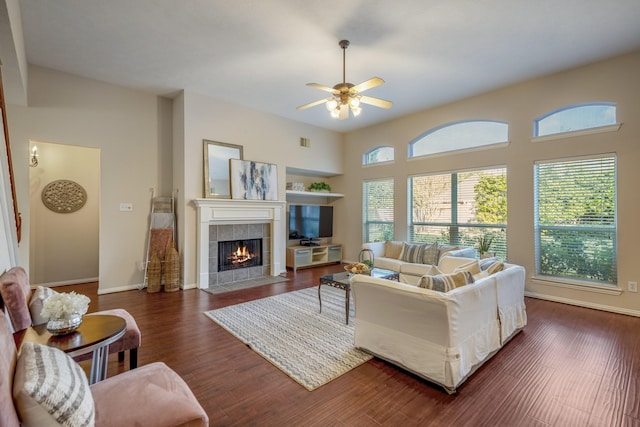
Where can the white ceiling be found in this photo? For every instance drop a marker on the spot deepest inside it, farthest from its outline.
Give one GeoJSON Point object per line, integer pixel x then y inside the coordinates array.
{"type": "Point", "coordinates": [261, 53]}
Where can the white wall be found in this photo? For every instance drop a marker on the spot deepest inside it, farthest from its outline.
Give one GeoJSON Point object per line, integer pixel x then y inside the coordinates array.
{"type": "Point", "coordinates": [264, 137]}
{"type": "Point", "coordinates": [614, 80]}
{"type": "Point", "coordinates": [64, 247]}
{"type": "Point", "coordinates": [125, 125]}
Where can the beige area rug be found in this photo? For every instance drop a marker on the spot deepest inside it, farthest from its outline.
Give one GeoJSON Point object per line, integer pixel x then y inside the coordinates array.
{"type": "Point", "coordinates": [312, 348]}
{"type": "Point", "coordinates": [244, 284]}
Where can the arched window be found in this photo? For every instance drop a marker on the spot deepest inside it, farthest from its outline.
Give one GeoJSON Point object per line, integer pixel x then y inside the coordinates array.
{"type": "Point", "coordinates": [575, 117]}
{"type": "Point", "coordinates": [378, 155]}
{"type": "Point", "coordinates": [459, 136]}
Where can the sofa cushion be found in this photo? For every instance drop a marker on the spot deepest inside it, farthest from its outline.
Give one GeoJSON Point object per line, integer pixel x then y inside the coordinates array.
{"type": "Point", "coordinates": [446, 282]}
{"type": "Point", "coordinates": [430, 255]}
{"type": "Point", "coordinates": [450, 263]}
{"type": "Point", "coordinates": [51, 389]}
{"type": "Point", "coordinates": [472, 267]}
{"type": "Point", "coordinates": [35, 304]}
{"type": "Point", "coordinates": [419, 269]}
{"type": "Point", "coordinates": [412, 252]}
{"type": "Point", "coordinates": [491, 265]}
{"type": "Point", "coordinates": [393, 249]}
{"type": "Point", "coordinates": [389, 264]}
{"type": "Point", "coordinates": [15, 292]}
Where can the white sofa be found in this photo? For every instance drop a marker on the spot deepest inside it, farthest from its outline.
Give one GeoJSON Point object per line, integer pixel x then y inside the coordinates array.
{"type": "Point", "coordinates": [442, 337]}
{"type": "Point", "coordinates": [387, 256]}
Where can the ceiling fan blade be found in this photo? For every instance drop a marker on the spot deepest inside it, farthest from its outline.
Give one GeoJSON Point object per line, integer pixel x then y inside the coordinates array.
{"type": "Point", "coordinates": [323, 87]}
{"type": "Point", "coordinates": [344, 112]}
{"type": "Point", "coordinates": [377, 102]}
{"type": "Point", "coordinates": [314, 103]}
{"type": "Point", "coordinates": [372, 82]}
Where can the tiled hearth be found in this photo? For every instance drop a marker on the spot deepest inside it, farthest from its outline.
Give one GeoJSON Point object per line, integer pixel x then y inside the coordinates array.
{"type": "Point", "coordinates": [227, 232]}
{"type": "Point", "coordinates": [227, 219]}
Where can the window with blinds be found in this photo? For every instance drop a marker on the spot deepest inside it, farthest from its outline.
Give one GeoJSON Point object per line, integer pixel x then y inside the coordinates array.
{"type": "Point", "coordinates": [575, 219]}
{"type": "Point", "coordinates": [459, 208]}
{"type": "Point", "coordinates": [377, 210]}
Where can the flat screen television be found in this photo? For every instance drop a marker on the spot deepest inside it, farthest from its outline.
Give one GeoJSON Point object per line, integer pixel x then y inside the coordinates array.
{"type": "Point", "coordinates": [310, 221]}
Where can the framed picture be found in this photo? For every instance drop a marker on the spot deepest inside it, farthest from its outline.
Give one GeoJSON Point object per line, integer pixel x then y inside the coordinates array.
{"type": "Point", "coordinates": [216, 168]}
{"type": "Point", "coordinates": [253, 180]}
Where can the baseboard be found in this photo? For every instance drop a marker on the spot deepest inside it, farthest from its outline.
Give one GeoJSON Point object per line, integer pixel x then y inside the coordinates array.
{"type": "Point", "coordinates": [67, 282]}
{"type": "Point", "coordinates": [584, 304]}
{"type": "Point", "coordinates": [134, 287]}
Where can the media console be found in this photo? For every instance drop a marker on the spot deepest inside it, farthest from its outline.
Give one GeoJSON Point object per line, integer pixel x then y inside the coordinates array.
{"type": "Point", "coordinates": [310, 256]}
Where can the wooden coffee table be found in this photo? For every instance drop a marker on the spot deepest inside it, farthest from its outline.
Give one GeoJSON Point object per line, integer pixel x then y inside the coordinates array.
{"type": "Point", "coordinates": [94, 334]}
{"type": "Point", "coordinates": [341, 281]}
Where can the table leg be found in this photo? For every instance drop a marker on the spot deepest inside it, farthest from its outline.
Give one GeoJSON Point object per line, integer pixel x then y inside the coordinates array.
{"type": "Point", "coordinates": [346, 299]}
{"type": "Point", "coordinates": [99, 362]}
{"type": "Point", "coordinates": [320, 297]}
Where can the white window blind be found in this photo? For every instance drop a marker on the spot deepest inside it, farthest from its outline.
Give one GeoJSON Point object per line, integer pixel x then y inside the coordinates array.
{"type": "Point", "coordinates": [458, 208]}
{"type": "Point", "coordinates": [575, 219]}
{"type": "Point", "coordinates": [377, 210]}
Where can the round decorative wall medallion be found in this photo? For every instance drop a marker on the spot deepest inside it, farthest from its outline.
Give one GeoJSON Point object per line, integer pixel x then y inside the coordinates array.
{"type": "Point", "coordinates": [64, 196]}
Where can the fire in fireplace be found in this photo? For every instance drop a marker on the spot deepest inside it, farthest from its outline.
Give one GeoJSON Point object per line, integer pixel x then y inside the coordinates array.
{"type": "Point", "coordinates": [235, 254]}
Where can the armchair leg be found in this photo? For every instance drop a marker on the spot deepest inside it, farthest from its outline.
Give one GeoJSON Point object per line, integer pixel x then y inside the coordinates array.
{"type": "Point", "coordinates": [133, 358]}
{"type": "Point", "coordinates": [121, 356]}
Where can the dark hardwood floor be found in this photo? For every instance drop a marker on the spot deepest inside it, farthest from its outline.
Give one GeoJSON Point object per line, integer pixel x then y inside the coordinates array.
{"type": "Point", "coordinates": [570, 366]}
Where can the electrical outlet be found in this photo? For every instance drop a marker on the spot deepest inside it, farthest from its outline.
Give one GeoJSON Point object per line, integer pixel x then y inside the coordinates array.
{"type": "Point", "coordinates": [632, 286]}
{"type": "Point", "coordinates": [126, 207]}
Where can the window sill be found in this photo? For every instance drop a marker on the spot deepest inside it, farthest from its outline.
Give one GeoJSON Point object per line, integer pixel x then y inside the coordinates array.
{"type": "Point", "coordinates": [576, 285]}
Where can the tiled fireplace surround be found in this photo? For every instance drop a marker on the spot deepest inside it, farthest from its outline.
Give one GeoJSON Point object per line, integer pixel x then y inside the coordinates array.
{"type": "Point", "coordinates": [227, 219]}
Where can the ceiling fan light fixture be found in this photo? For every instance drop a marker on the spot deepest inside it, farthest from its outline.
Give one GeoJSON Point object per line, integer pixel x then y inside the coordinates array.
{"type": "Point", "coordinates": [354, 102]}
{"type": "Point", "coordinates": [331, 105]}
{"type": "Point", "coordinates": [335, 113]}
{"type": "Point", "coordinates": [356, 111]}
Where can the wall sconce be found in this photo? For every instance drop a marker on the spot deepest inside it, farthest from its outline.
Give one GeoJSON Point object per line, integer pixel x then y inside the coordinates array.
{"type": "Point", "coordinates": [33, 162]}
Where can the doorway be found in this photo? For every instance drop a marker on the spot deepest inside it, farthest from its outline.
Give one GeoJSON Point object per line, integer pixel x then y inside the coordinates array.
{"type": "Point", "coordinates": [64, 214]}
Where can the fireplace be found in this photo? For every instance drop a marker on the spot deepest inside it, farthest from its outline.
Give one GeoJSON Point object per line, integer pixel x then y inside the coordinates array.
{"type": "Point", "coordinates": [222, 220]}
{"type": "Point", "coordinates": [235, 254]}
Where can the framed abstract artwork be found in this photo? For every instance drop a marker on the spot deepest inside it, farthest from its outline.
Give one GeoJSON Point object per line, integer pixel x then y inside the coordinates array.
{"type": "Point", "coordinates": [253, 180]}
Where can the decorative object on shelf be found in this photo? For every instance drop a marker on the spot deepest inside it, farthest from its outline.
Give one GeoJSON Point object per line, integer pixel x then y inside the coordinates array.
{"type": "Point", "coordinates": [295, 186]}
{"type": "Point", "coordinates": [366, 257]}
{"type": "Point", "coordinates": [345, 96]}
{"type": "Point", "coordinates": [319, 186]}
{"type": "Point", "coordinates": [64, 311]}
{"type": "Point", "coordinates": [216, 168]}
{"type": "Point", "coordinates": [253, 180]}
{"type": "Point", "coordinates": [484, 244]}
{"type": "Point", "coordinates": [357, 268]}
{"type": "Point", "coordinates": [64, 196]}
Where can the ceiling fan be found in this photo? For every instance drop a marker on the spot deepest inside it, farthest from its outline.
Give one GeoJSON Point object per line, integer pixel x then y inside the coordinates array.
{"type": "Point", "coordinates": [345, 96]}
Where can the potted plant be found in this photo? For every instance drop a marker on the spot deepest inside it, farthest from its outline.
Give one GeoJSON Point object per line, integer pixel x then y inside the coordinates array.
{"type": "Point", "coordinates": [319, 186]}
{"type": "Point", "coordinates": [484, 245]}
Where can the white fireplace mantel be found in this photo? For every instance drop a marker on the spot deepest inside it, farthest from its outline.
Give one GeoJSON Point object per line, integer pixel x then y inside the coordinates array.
{"type": "Point", "coordinates": [232, 211]}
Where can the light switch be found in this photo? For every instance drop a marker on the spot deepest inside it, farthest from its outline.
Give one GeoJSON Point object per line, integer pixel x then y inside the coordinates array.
{"type": "Point", "coordinates": [126, 207]}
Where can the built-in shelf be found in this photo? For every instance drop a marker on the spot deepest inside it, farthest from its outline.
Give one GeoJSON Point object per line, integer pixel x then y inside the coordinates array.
{"type": "Point", "coordinates": [314, 194]}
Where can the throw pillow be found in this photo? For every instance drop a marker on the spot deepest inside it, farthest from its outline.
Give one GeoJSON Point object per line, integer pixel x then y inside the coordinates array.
{"type": "Point", "coordinates": [430, 255]}
{"type": "Point", "coordinates": [35, 304]}
{"type": "Point", "coordinates": [491, 265]}
{"type": "Point", "coordinates": [392, 249]}
{"type": "Point", "coordinates": [446, 282]}
{"type": "Point", "coordinates": [443, 249]}
{"type": "Point", "coordinates": [472, 267]}
{"type": "Point", "coordinates": [49, 387]}
{"type": "Point", "coordinates": [412, 252]}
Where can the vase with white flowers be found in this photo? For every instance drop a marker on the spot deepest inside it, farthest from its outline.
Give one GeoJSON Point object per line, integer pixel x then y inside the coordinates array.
{"type": "Point", "coordinates": [64, 311]}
